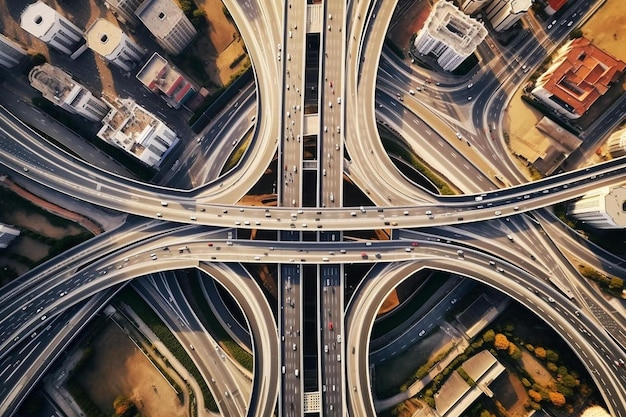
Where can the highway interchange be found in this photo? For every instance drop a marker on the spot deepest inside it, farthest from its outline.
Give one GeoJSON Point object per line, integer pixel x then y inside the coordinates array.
{"type": "Point", "coordinates": [54, 301]}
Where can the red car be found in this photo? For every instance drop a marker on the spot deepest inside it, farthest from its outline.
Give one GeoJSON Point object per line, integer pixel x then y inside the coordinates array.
{"type": "Point", "coordinates": [330, 325]}
{"type": "Point", "coordinates": [414, 244]}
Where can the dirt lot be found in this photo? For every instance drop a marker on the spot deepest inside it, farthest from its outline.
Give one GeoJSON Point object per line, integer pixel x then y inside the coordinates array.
{"type": "Point", "coordinates": [408, 18]}
{"type": "Point", "coordinates": [607, 28]}
{"type": "Point", "coordinates": [118, 368]}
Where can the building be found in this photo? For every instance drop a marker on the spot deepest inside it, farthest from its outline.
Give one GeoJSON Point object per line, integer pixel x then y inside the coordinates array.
{"type": "Point", "coordinates": [43, 22]}
{"type": "Point", "coordinates": [450, 35]}
{"type": "Point", "coordinates": [605, 208]}
{"type": "Point", "coordinates": [137, 131]}
{"type": "Point", "coordinates": [503, 14]}
{"type": "Point", "coordinates": [124, 10]}
{"type": "Point", "coordinates": [580, 74]}
{"type": "Point", "coordinates": [10, 52]}
{"type": "Point", "coordinates": [58, 87]}
{"type": "Point", "coordinates": [108, 40]}
{"type": "Point", "coordinates": [616, 143]}
{"type": "Point", "coordinates": [168, 24]}
{"type": "Point", "coordinates": [472, 6]}
{"type": "Point", "coordinates": [7, 234]}
{"type": "Point", "coordinates": [554, 6]}
{"type": "Point", "coordinates": [162, 78]}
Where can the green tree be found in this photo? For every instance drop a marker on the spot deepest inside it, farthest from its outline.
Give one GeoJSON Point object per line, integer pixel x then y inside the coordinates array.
{"type": "Point", "coordinates": [569, 381]}
{"type": "Point", "coordinates": [616, 283]}
{"type": "Point", "coordinates": [514, 352]}
{"type": "Point", "coordinates": [489, 336]}
{"type": "Point", "coordinates": [552, 356]}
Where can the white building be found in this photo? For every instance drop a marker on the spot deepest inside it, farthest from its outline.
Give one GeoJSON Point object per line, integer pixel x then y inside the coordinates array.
{"type": "Point", "coordinates": [168, 24]}
{"type": "Point", "coordinates": [137, 131]}
{"type": "Point", "coordinates": [160, 77]}
{"type": "Point", "coordinates": [603, 209]}
{"type": "Point", "coordinates": [124, 10]}
{"type": "Point", "coordinates": [45, 23]}
{"type": "Point", "coordinates": [10, 52]}
{"type": "Point", "coordinates": [503, 14]}
{"type": "Point", "coordinates": [450, 35]}
{"type": "Point", "coordinates": [58, 87]}
{"type": "Point", "coordinates": [7, 234]}
{"type": "Point", "coordinates": [108, 40]}
{"type": "Point", "coordinates": [472, 6]}
{"type": "Point", "coordinates": [616, 143]}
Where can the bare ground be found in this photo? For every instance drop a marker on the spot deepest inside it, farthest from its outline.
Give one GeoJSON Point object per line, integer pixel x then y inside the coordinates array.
{"type": "Point", "coordinates": [117, 367]}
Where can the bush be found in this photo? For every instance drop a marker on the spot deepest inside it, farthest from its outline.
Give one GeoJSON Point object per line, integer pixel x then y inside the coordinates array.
{"type": "Point", "coordinates": [489, 336]}
{"type": "Point", "coordinates": [514, 352]}
{"type": "Point", "coordinates": [501, 342]}
{"type": "Point", "coordinates": [552, 356]}
{"type": "Point", "coordinates": [534, 395]}
{"type": "Point", "coordinates": [552, 367]}
{"type": "Point", "coordinates": [526, 383]}
{"type": "Point", "coordinates": [540, 352]}
{"type": "Point", "coordinates": [557, 399]}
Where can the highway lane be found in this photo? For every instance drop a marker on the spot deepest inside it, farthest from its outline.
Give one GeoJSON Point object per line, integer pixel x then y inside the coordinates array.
{"type": "Point", "coordinates": [574, 328]}
{"type": "Point", "coordinates": [291, 337]}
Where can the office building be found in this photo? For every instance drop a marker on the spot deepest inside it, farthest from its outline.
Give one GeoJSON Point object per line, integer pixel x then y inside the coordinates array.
{"type": "Point", "coordinates": [43, 22]}
{"type": "Point", "coordinates": [168, 24]}
{"type": "Point", "coordinates": [605, 208]}
{"type": "Point", "coordinates": [160, 77]}
{"type": "Point", "coordinates": [616, 143]}
{"type": "Point", "coordinates": [10, 52]}
{"type": "Point", "coordinates": [472, 6]}
{"type": "Point", "coordinates": [450, 35]}
{"type": "Point", "coordinates": [58, 87]}
{"type": "Point", "coordinates": [124, 10]}
{"type": "Point", "coordinates": [580, 74]}
{"type": "Point", "coordinates": [7, 234]}
{"type": "Point", "coordinates": [503, 14]}
{"type": "Point", "coordinates": [108, 40]}
{"type": "Point", "coordinates": [137, 131]}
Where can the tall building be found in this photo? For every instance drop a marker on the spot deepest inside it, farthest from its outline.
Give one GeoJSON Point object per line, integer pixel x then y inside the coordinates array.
{"type": "Point", "coordinates": [168, 24]}
{"type": "Point", "coordinates": [450, 35]}
{"type": "Point", "coordinates": [10, 52]}
{"type": "Point", "coordinates": [108, 40]}
{"type": "Point", "coordinates": [45, 23]}
{"type": "Point", "coordinates": [137, 131]}
{"type": "Point", "coordinates": [7, 234]}
{"type": "Point", "coordinates": [162, 78]}
{"type": "Point", "coordinates": [58, 87]}
{"type": "Point", "coordinates": [616, 143]}
{"type": "Point", "coordinates": [580, 74]}
{"type": "Point", "coordinates": [503, 14]}
{"type": "Point", "coordinates": [124, 10]}
{"type": "Point", "coordinates": [603, 209]}
{"type": "Point", "coordinates": [472, 6]}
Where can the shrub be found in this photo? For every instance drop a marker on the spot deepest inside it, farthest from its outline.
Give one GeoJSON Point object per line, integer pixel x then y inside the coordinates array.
{"type": "Point", "coordinates": [514, 352]}
{"type": "Point", "coordinates": [552, 356]}
{"type": "Point", "coordinates": [540, 352]}
{"type": "Point", "coordinates": [552, 367]}
{"type": "Point", "coordinates": [529, 347]}
{"type": "Point", "coordinates": [489, 336]}
{"type": "Point", "coordinates": [501, 342]}
{"type": "Point", "coordinates": [534, 395]}
{"type": "Point", "coordinates": [526, 383]}
{"type": "Point", "coordinates": [557, 399]}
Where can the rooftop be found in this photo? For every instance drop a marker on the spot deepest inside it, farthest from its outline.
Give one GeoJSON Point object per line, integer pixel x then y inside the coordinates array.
{"type": "Point", "coordinates": [159, 16]}
{"type": "Point", "coordinates": [126, 122]}
{"type": "Point", "coordinates": [454, 28]}
{"type": "Point", "coordinates": [37, 18]}
{"type": "Point", "coordinates": [103, 36]}
{"type": "Point", "coordinates": [583, 75]}
{"type": "Point", "coordinates": [54, 83]}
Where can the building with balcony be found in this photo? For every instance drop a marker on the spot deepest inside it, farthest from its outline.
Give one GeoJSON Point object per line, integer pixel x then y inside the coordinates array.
{"type": "Point", "coordinates": [43, 22]}
{"type": "Point", "coordinates": [450, 35]}
{"type": "Point", "coordinates": [109, 41]}
{"type": "Point", "coordinates": [7, 234]}
{"type": "Point", "coordinates": [58, 87]}
{"type": "Point", "coordinates": [616, 143]}
{"type": "Point", "coordinates": [472, 6]}
{"type": "Point", "coordinates": [168, 24]}
{"type": "Point", "coordinates": [160, 77]}
{"type": "Point", "coordinates": [137, 131]}
{"type": "Point", "coordinates": [503, 14]}
{"type": "Point", "coordinates": [605, 208]}
{"type": "Point", "coordinates": [124, 10]}
{"type": "Point", "coordinates": [10, 52]}
{"type": "Point", "coordinates": [580, 74]}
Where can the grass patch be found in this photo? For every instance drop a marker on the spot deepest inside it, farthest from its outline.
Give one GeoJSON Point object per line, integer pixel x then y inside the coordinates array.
{"type": "Point", "coordinates": [83, 399]}
{"type": "Point", "coordinates": [236, 156]}
{"type": "Point", "coordinates": [396, 146]}
{"type": "Point", "coordinates": [214, 326]}
{"type": "Point", "coordinates": [130, 297]}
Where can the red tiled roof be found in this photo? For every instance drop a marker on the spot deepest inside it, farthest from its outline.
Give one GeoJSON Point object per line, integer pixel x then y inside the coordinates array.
{"type": "Point", "coordinates": [556, 4]}
{"type": "Point", "coordinates": [584, 76]}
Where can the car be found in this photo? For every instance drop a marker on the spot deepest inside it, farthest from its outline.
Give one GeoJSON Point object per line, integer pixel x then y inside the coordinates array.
{"type": "Point", "coordinates": [324, 172]}
{"type": "Point", "coordinates": [159, 215]}
{"type": "Point", "coordinates": [338, 338]}
{"type": "Point", "coordinates": [329, 28]}
{"type": "Point", "coordinates": [338, 129]}
{"type": "Point", "coordinates": [338, 357]}
{"type": "Point", "coordinates": [290, 34]}
{"type": "Point", "coordinates": [458, 135]}
{"type": "Point", "coordinates": [406, 213]}
{"type": "Point", "coordinates": [550, 26]}
{"type": "Point", "coordinates": [411, 92]}
{"type": "Point", "coordinates": [497, 212]}
{"type": "Point", "coordinates": [550, 299]}
{"type": "Point", "coordinates": [422, 333]}
{"type": "Point", "coordinates": [330, 16]}
{"type": "Point", "coordinates": [278, 56]}
{"type": "Point", "coordinates": [407, 249]}
{"type": "Point", "coordinates": [429, 213]}
{"type": "Point", "coordinates": [44, 317]}
{"type": "Point", "coordinates": [288, 57]}
{"type": "Point", "coordinates": [330, 325]}
{"type": "Point", "coordinates": [336, 146]}
{"type": "Point", "coordinates": [193, 218]}
{"type": "Point", "coordinates": [325, 129]}
{"type": "Point", "coordinates": [280, 47]}
{"type": "Point", "coordinates": [414, 244]}
{"type": "Point", "coordinates": [330, 104]}
{"type": "Point", "coordinates": [571, 22]}
{"type": "Point", "coordinates": [294, 347]}
{"type": "Point", "coordinates": [553, 22]}
{"type": "Point", "coordinates": [470, 85]}
{"type": "Point", "coordinates": [326, 348]}
{"type": "Point", "coordinates": [469, 98]}
{"type": "Point", "coordinates": [297, 373]}
{"type": "Point", "coordinates": [338, 100]}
